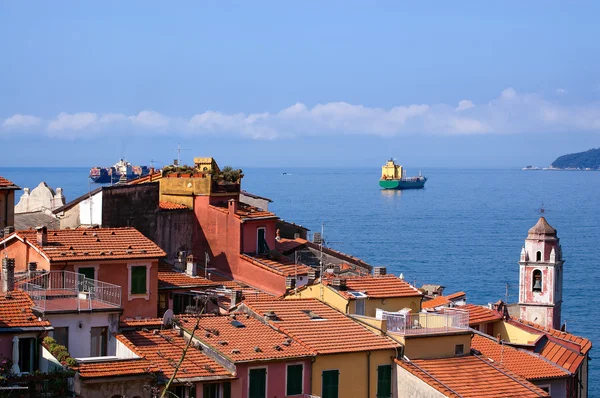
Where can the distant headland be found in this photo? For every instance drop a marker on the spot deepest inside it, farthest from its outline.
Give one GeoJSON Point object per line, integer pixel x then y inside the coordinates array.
{"type": "Point", "coordinates": [587, 160]}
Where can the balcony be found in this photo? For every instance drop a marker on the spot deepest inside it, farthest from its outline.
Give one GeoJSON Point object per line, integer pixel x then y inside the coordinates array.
{"type": "Point", "coordinates": [425, 323]}
{"type": "Point", "coordinates": [64, 291]}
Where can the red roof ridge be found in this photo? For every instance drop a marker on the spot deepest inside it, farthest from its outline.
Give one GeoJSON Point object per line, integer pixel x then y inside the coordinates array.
{"type": "Point", "coordinates": [584, 344]}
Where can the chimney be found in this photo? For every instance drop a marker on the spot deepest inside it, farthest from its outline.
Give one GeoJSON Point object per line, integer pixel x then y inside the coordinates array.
{"type": "Point", "coordinates": [236, 297]}
{"type": "Point", "coordinates": [379, 271]}
{"type": "Point", "coordinates": [42, 235]}
{"type": "Point", "coordinates": [270, 316]}
{"type": "Point", "coordinates": [342, 284]}
{"type": "Point", "coordinates": [233, 206]}
{"type": "Point", "coordinates": [296, 235]}
{"type": "Point", "coordinates": [290, 282]}
{"type": "Point", "coordinates": [191, 268]}
{"type": "Point", "coordinates": [336, 269]}
{"type": "Point", "coordinates": [9, 230]}
{"type": "Point", "coordinates": [312, 275]}
{"type": "Point", "coordinates": [336, 282]}
{"type": "Point", "coordinates": [8, 274]}
{"type": "Point", "coordinates": [31, 268]}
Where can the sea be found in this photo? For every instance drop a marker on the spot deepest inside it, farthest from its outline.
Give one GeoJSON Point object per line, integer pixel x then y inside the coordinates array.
{"type": "Point", "coordinates": [464, 230]}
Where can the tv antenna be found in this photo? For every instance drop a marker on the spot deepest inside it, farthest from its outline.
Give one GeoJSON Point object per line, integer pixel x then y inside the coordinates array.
{"type": "Point", "coordinates": [542, 210]}
{"type": "Point", "coordinates": [507, 294]}
{"type": "Point", "coordinates": [179, 149]}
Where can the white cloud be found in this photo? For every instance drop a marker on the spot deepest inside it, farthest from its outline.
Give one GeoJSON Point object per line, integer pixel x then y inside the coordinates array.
{"type": "Point", "coordinates": [561, 91]}
{"type": "Point", "coordinates": [509, 113]}
{"type": "Point", "coordinates": [21, 121]}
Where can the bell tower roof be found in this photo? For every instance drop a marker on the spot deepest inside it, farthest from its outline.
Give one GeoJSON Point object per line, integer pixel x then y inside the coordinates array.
{"type": "Point", "coordinates": [541, 228]}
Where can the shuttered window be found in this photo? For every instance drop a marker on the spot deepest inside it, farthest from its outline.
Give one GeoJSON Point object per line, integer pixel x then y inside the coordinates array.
{"type": "Point", "coordinates": [331, 379]}
{"type": "Point", "coordinates": [258, 383]}
{"type": "Point", "coordinates": [384, 381]}
{"type": "Point", "coordinates": [294, 379]}
{"type": "Point", "coordinates": [138, 280]}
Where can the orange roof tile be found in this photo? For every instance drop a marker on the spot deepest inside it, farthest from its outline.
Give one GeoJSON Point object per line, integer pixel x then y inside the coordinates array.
{"type": "Point", "coordinates": [245, 211]}
{"type": "Point", "coordinates": [92, 244]}
{"type": "Point", "coordinates": [287, 246]}
{"type": "Point", "coordinates": [139, 323]}
{"type": "Point", "coordinates": [147, 178]}
{"type": "Point", "coordinates": [239, 344]}
{"type": "Point", "coordinates": [471, 377]}
{"type": "Point", "coordinates": [442, 300]}
{"type": "Point", "coordinates": [168, 278]}
{"type": "Point", "coordinates": [16, 311]}
{"type": "Point", "coordinates": [332, 333]}
{"type": "Point", "coordinates": [562, 356]}
{"type": "Point", "coordinates": [163, 205]}
{"type": "Point", "coordinates": [5, 184]}
{"type": "Point", "coordinates": [282, 266]}
{"type": "Point", "coordinates": [524, 363]}
{"type": "Point", "coordinates": [584, 344]}
{"type": "Point", "coordinates": [479, 314]}
{"type": "Point", "coordinates": [164, 349]}
{"type": "Point", "coordinates": [116, 368]}
{"type": "Point", "coordinates": [378, 287]}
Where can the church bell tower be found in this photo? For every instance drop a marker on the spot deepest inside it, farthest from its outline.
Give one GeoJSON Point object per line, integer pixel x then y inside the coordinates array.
{"type": "Point", "coordinates": [541, 276]}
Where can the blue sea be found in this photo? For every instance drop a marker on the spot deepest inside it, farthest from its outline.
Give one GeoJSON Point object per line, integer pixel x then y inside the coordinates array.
{"type": "Point", "coordinates": [464, 231]}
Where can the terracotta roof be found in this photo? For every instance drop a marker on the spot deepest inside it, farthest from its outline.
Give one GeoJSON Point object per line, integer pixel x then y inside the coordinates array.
{"type": "Point", "coordinates": [574, 341]}
{"type": "Point", "coordinates": [562, 356]}
{"type": "Point", "coordinates": [524, 363]}
{"type": "Point", "coordinates": [287, 246]}
{"type": "Point", "coordinates": [471, 377]}
{"type": "Point", "coordinates": [255, 341]}
{"type": "Point", "coordinates": [479, 314]}
{"type": "Point", "coordinates": [5, 184]}
{"type": "Point", "coordinates": [282, 266]}
{"type": "Point", "coordinates": [164, 349]}
{"type": "Point", "coordinates": [377, 287]}
{"type": "Point", "coordinates": [251, 195]}
{"type": "Point", "coordinates": [93, 244]}
{"type": "Point", "coordinates": [16, 311]}
{"type": "Point", "coordinates": [168, 278]}
{"type": "Point", "coordinates": [164, 205]}
{"type": "Point", "coordinates": [440, 301]}
{"type": "Point", "coordinates": [332, 332]}
{"type": "Point", "coordinates": [139, 323]}
{"type": "Point", "coordinates": [542, 228]}
{"type": "Point", "coordinates": [245, 211]}
{"type": "Point", "coordinates": [146, 178]}
{"type": "Point", "coordinates": [116, 368]}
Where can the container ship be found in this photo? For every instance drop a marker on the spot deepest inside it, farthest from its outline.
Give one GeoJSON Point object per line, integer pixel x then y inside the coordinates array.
{"type": "Point", "coordinates": [103, 175]}
{"type": "Point", "coordinates": [393, 176]}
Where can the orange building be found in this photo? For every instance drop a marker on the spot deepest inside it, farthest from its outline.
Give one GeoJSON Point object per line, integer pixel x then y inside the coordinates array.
{"type": "Point", "coordinates": [7, 203]}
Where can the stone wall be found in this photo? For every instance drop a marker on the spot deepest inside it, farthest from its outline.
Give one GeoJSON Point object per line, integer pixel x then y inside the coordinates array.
{"type": "Point", "coordinates": [175, 231]}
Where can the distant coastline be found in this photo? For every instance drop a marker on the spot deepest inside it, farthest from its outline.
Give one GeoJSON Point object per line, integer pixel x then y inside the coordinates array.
{"type": "Point", "coordinates": [581, 161]}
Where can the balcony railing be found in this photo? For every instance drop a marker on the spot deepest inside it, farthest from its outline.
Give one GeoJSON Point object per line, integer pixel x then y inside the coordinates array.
{"type": "Point", "coordinates": [425, 323]}
{"type": "Point", "coordinates": [65, 290]}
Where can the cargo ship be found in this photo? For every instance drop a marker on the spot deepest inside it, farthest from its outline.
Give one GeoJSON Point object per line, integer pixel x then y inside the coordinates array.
{"type": "Point", "coordinates": [393, 176]}
{"type": "Point", "coordinates": [104, 175]}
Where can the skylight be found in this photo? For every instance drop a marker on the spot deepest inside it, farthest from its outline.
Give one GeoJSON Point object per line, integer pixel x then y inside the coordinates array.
{"type": "Point", "coordinates": [313, 316]}
{"type": "Point", "coordinates": [356, 294]}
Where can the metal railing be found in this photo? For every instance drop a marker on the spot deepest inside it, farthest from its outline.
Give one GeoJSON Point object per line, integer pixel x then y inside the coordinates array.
{"type": "Point", "coordinates": [89, 293]}
{"type": "Point", "coordinates": [425, 323]}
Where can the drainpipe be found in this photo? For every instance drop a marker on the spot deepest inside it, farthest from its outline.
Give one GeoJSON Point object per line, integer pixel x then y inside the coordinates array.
{"type": "Point", "coordinates": [312, 361]}
{"type": "Point", "coordinates": [368, 374]}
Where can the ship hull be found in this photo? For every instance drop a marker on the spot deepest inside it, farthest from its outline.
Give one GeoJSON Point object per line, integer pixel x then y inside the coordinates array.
{"type": "Point", "coordinates": [101, 179]}
{"type": "Point", "coordinates": [416, 183]}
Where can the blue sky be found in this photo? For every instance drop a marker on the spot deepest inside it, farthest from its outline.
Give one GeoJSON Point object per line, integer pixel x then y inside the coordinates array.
{"type": "Point", "coordinates": [440, 84]}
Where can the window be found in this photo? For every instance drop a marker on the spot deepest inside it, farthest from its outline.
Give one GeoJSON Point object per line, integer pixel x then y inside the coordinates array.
{"type": "Point", "coordinates": [258, 383]}
{"type": "Point", "coordinates": [459, 349]}
{"type": "Point", "coordinates": [99, 341]}
{"type": "Point", "coordinates": [538, 256]}
{"type": "Point", "coordinates": [163, 303]}
{"type": "Point", "coordinates": [181, 301]}
{"type": "Point", "coordinates": [210, 390]}
{"type": "Point", "coordinates": [330, 387]}
{"type": "Point", "coordinates": [545, 388]}
{"type": "Point", "coordinates": [89, 273]}
{"type": "Point", "coordinates": [537, 281]}
{"type": "Point", "coordinates": [227, 389]}
{"type": "Point", "coordinates": [294, 379]}
{"type": "Point", "coordinates": [27, 355]}
{"type": "Point", "coordinates": [261, 241]}
{"type": "Point", "coordinates": [359, 307]}
{"type": "Point", "coordinates": [384, 381]}
{"type": "Point", "coordinates": [61, 335]}
{"type": "Point", "coordinates": [138, 279]}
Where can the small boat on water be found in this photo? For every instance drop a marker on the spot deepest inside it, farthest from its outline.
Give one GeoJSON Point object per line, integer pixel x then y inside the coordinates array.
{"type": "Point", "coordinates": [393, 176]}
{"type": "Point", "coordinates": [122, 168]}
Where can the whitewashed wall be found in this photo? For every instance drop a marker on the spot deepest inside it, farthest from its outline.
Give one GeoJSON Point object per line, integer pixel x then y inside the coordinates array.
{"type": "Point", "coordinates": [96, 210]}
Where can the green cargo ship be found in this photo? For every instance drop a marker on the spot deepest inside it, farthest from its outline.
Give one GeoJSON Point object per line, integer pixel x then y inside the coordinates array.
{"type": "Point", "coordinates": [393, 177]}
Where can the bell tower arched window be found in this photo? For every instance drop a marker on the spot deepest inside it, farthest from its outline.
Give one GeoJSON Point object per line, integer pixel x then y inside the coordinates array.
{"type": "Point", "coordinates": [538, 256]}
{"type": "Point", "coordinates": [537, 281]}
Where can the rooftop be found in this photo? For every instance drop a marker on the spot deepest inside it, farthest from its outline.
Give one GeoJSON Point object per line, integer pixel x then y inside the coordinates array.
{"type": "Point", "coordinates": [441, 301]}
{"type": "Point", "coordinates": [116, 368]}
{"type": "Point", "coordinates": [320, 327]}
{"type": "Point", "coordinates": [164, 348]}
{"type": "Point", "coordinates": [282, 265]}
{"type": "Point", "coordinates": [288, 246]}
{"type": "Point", "coordinates": [524, 363]}
{"type": "Point", "coordinates": [385, 286]}
{"type": "Point", "coordinates": [245, 339]}
{"type": "Point", "coordinates": [16, 311]}
{"type": "Point", "coordinates": [583, 344]}
{"type": "Point", "coordinates": [169, 278]}
{"type": "Point", "coordinates": [5, 184]}
{"type": "Point", "coordinates": [541, 228]}
{"type": "Point", "coordinates": [91, 244]}
{"type": "Point", "coordinates": [471, 377]}
{"type": "Point", "coordinates": [140, 323]}
{"type": "Point", "coordinates": [422, 323]}
{"type": "Point", "coordinates": [245, 211]}
{"type": "Point", "coordinates": [479, 314]}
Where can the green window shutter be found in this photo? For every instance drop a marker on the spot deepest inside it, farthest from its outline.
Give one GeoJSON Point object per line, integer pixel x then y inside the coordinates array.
{"type": "Point", "coordinates": [331, 379]}
{"type": "Point", "coordinates": [384, 381]}
{"type": "Point", "coordinates": [138, 280]}
{"type": "Point", "coordinates": [258, 383]}
{"type": "Point", "coordinates": [227, 389]}
{"type": "Point", "coordinates": [294, 379]}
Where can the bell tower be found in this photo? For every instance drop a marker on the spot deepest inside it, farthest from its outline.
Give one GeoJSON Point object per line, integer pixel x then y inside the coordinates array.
{"type": "Point", "coordinates": [541, 276]}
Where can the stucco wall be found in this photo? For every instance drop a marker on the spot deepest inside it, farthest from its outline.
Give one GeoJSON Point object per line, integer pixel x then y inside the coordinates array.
{"type": "Point", "coordinates": [23, 253]}
{"type": "Point", "coordinates": [435, 346]}
{"type": "Point", "coordinates": [91, 207]}
{"type": "Point", "coordinates": [127, 387]}
{"type": "Point", "coordinates": [175, 231]}
{"type": "Point", "coordinates": [79, 344]}
{"type": "Point", "coordinates": [410, 386]}
{"type": "Point", "coordinates": [329, 296]}
{"type": "Point", "coordinates": [513, 334]}
{"type": "Point", "coordinates": [7, 208]}
{"type": "Point", "coordinates": [276, 378]}
{"type": "Point", "coordinates": [6, 346]}
{"type": "Point", "coordinates": [70, 217]}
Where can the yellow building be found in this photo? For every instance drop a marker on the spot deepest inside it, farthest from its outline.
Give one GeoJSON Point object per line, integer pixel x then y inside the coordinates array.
{"type": "Point", "coordinates": [351, 361]}
{"type": "Point", "coordinates": [363, 295]}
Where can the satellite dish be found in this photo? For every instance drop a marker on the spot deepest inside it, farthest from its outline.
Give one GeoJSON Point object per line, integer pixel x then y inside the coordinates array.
{"type": "Point", "coordinates": [167, 317]}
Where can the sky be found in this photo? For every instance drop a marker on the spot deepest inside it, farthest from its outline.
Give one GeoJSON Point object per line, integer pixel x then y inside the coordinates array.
{"type": "Point", "coordinates": [299, 83]}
